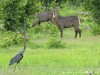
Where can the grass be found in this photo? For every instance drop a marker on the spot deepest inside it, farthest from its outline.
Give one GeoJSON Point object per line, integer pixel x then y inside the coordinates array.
{"type": "Point", "coordinates": [80, 54]}
{"type": "Point", "coordinates": [52, 61]}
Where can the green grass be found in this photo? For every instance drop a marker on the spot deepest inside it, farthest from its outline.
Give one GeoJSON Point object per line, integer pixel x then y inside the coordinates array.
{"type": "Point", "coordinates": [55, 61]}
{"type": "Point", "coordinates": [52, 61]}
{"type": "Point", "coordinates": [80, 54]}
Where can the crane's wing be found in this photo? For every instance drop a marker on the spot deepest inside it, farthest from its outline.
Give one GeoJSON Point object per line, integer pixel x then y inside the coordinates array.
{"type": "Point", "coordinates": [16, 59]}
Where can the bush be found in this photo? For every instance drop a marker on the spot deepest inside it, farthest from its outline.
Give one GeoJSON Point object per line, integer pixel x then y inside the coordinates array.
{"type": "Point", "coordinates": [38, 29]}
{"type": "Point", "coordinates": [56, 43]}
{"type": "Point", "coordinates": [94, 7]}
{"type": "Point", "coordinates": [11, 11]}
{"type": "Point", "coordinates": [46, 28]}
{"type": "Point", "coordinates": [52, 30]}
{"type": "Point", "coordinates": [11, 39]}
{"type": "Point", "coordinates": [16, 10]}
{"type": "Point", "coordinates": [95, 29]}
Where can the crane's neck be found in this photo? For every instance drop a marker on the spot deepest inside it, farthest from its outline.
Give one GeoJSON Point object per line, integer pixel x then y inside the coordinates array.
{"type": "Point", "coordinates": [23, 51]}
{"type": "Point", "coordinates": [24, 48]}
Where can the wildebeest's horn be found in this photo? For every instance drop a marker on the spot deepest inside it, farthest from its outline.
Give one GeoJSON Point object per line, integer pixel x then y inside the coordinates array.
{"type": "Point", "coordinates": [58, 8]}
{"type": "Point", "coordinates": [51, 8]}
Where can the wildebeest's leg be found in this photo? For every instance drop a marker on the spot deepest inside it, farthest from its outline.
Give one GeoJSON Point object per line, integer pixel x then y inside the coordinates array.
{"type": "Point", "coordinates": [37, 23]}
{"type": "Point", "coordinates": [79, 33]}
{"type": "Point", "coordinates": [15, 67]}
{"type": "Point", "coordinates": [76, 31]}
{"type": "Point", "coordinates": [47, 20]}
{"type": "Point", "coordinates": [61, 32]}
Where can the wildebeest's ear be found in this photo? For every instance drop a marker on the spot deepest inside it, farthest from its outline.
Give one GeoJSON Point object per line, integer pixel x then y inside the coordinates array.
{"type": "Point", "coordinates": [43, 8]}
{"type": "Point", "coordinates": [58, 8]}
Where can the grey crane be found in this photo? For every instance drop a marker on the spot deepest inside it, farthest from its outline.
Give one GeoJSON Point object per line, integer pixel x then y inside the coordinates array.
{"type": "Point", "coordinates": [18, 57]}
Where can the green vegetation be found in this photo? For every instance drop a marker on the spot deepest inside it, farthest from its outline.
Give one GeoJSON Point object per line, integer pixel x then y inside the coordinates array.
{"type": "Point", "coordinates": [46, 52]}
{"type": "Point", "coordinates": [79, 55]}
{"type": "Point", "coordinates": [93, 6]}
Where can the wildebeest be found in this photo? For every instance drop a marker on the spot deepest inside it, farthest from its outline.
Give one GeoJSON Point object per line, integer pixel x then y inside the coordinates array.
{"type": "Point", "coordinates": [66, 22]}
{"type": "Point", "coordinates": [43, 17]}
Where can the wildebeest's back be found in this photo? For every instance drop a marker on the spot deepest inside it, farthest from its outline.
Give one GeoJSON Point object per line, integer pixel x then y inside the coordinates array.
{"type": "Point", "coordinates": [44, 16]}
{"type": "Point", "coordinates": [68, 21]}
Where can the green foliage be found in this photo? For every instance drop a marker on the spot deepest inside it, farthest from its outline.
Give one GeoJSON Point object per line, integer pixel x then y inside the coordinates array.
{"type": "Point", "coordinates": [58, 2]}
{"type": "Point", "coordinates": [1, 8]}
{"type": "Point", "coordinates": [46, 2]}
{"type": "Point", "coordinates": [94, 7]}
{"type": "Point", "coordinates": [16, 10]}
{"type": "Point", "coordinates": [11, 39]}
{"type": "Point", "coordinates": [96, 10]}
{"type": "Point", "coordinates": [51, 29]}
{"type": "Point", "coordinates": [56, 43]}
{"type": "Point", "coordinates": [38, 29]}
{"type": "Point", "coordinates": [32, 6]}
{"type": "Point", "coordinates": [54, 4]}
{"type": "Point", "coordinates": [95, 29]}
{"type": "Point", "coordinates": [54, 31]}
{"type": "Point", "coordinates": [11, 14]}
{"type": "Point", "coordinates": [46, 28]}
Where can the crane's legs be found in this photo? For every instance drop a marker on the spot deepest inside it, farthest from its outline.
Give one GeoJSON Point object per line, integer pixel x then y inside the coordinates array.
{"type": "Point", "coordinates": [15, 67]}
{"type": "Point", "coordinates": [19, 65]}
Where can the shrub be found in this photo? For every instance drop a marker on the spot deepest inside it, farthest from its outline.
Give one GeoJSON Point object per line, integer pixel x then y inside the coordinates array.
{"type": "Point", "coordinates": [16, 10]}
{"type": "Point", "coordinates": [38, 29]}
{"type": "Point", "coordinates": [51, 29]}
{"type": "Point", "coordinates": [56, 43]}
{"type": "Point", "coordinates": [11, 39]}
{"type": "Point", "coordinates": [54, 31]}
{"type": "Point", "coordinates": [95, 29]}
{"type": "Point", "coordinates": [94, 7]}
